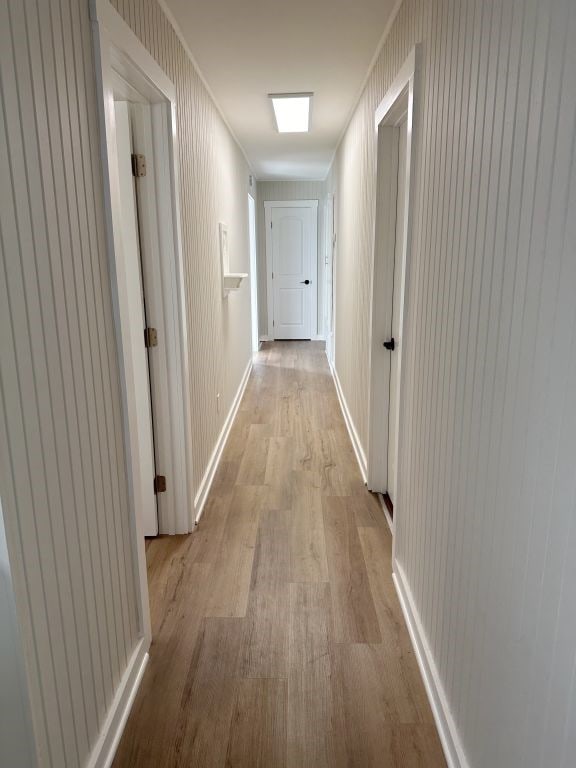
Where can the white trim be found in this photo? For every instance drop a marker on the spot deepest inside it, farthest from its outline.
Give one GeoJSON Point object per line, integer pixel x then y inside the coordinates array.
{"type": "Point", "coordinates": [447, 729]}
{"type": "Point", "coordinates": [265, 338]}
{"type": "Point", "coordinates": [291, 204]}
{"type": "Point", "coordinates": [401, 81]}
{"type": "Point", "coordinates": [355, 440]}
{"type": "Point", "coordinates": [216, 455]}
{"type": "Point", "coordinates": [122, 37]}
{"type": "Point", "coordinates": [398, 99]}
{"type": "Point", "coordinates": [132, 420]}
{"type": "Point", "coordinates": [105, 748]}
{"type": "Point", "coordinates": [118, 52]}
{"type": "Point", "coordinates": [328, 303]}
{"type": "Point", "coordinates": [268, 206]}
{"type": "Point", "coordinates": [253, 243]}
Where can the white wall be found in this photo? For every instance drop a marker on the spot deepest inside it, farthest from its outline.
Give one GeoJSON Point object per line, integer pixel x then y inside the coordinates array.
{"type": "Point", "coordinates": [289, 190]}
{"type": "Point", "coordinates": [16, 735]}
{"type": "Point", "coordinates": [486, 529]}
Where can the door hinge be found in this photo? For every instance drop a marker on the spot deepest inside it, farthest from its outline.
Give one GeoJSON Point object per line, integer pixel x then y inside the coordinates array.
{"type": "Point", "coordinates": [150, 337]}
{"type": "Point", "coordinates": [272, 275]}
{"type": "Point", "coordinates": [160, 484]}
{"type": "Point", "coordinates": [138, 165]}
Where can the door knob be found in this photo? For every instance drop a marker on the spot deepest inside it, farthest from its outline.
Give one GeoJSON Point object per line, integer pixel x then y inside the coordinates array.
{"type": "Point", "coordinates": [390, 344]}
{"type": "Point", "coordinates": [304, 282]}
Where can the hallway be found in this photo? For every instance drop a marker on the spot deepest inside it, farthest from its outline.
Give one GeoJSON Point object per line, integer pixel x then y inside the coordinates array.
{"type": "Point", "coordinates": [277, 636]}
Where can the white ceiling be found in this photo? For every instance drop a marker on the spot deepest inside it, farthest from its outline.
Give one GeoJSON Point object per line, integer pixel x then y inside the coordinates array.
{"type": "Point", "coordinates": [246, 49]}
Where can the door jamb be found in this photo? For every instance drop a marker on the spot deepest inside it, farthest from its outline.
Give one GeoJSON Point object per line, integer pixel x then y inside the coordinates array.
{"type": "Point", "coordinates": [268, 205]}
{"type": "Point", "coordinates": [405, 86]}
{"type": "Point", "coordinates": [253, 242]}
{"type": "Point", "coordinates": [118, 52]}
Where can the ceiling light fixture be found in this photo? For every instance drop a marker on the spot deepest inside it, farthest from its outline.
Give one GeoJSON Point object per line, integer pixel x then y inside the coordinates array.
{"type": "Point", "coordinates": [292, 111]}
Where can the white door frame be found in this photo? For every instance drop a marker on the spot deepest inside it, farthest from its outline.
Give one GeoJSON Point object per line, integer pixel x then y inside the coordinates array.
{"type": "Point", "coordinates": [398, 100]}
{"type": "Point", "coordinates": [253, 272]}
{"type": "Point", "coordinates": [329, 270]}
{"type": "Point", "coordinates": [119, 55]}
{"type": "Point", "coordinates": [268, 205]}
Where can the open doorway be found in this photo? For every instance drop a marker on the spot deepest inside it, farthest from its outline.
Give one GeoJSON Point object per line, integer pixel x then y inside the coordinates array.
{"type": "Point", "coordinates": [394, 123]}
{"type": "Point", "coordinates": [253, 273]}
{"type": "Point", "coordinates": [141, 194]}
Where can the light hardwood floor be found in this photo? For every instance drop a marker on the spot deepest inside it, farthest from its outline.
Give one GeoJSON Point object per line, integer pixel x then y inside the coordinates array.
{"type": "Point", "coordinates": [278, 639]}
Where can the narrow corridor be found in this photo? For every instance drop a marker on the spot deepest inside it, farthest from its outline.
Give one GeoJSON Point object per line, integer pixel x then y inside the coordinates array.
{"type": "Point", "coordinates": [278, 639]}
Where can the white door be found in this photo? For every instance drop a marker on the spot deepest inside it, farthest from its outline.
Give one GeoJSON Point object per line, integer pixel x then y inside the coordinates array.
{"type": "Point", "coordinates": [396, 330]}
{"type": "Point", "coordinates": [132, 265]}
{"type": "Point", "coordinates": [294, 270]}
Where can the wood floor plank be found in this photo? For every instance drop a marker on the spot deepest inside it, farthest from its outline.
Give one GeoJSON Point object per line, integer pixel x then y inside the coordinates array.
{"type": "Point", "coordinates": [225, 476]}
{"type": "Point", "coordinates": [236, 443]}
{"type": "Point", "coordinates": [304, 445]}
{"type": "Point", "coordinates": [258, 728]}
{"type": "Point", "coordinates": [368, 511]}
{"type": "Point", "coordinates": [252, 468]}
{"type": "Point", "coordinates": [413, 746]}
{"type": "Point", "coordinates": [265, 642]}
{"type": "Point", "coordinates": [307, 543]}
{"type": "Point", "coordinates": [373, 687]}
{"type": "Point", "coordinates": [377, 548]}
{"type": "Point", "coordinates": [202, 728]}
{"type": "Point", "coordinates": [312, 736]}
{"type": "Point", "coordinates": [176, 625]}
{"type": "Point", "coordinates": [278, 475]}
{"type": "Point", "coordinates": [232, 568]}
{"type": "Point", "coordinates": [355, 619]}
{"type": "Point", "coordinates": [287, 409]}
{"type": "Point", "coordinates": [207, 539]}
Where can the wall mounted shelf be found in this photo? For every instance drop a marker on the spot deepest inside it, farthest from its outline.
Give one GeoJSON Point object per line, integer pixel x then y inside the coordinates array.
{"type": "Point", "coordinates": [231, 281]}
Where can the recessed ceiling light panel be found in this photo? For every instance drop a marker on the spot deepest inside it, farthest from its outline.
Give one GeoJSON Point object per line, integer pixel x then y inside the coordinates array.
{"type": "Point", "coordinates": [292, 111]}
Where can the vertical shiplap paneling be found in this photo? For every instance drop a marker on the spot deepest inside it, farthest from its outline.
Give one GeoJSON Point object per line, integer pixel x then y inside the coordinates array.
{"type": "Point", "coordinates": [288, 190]}
{"type": "Point", "coordinates": [486, 535]}
{"type": "Point", "coordinates": [62, 457]}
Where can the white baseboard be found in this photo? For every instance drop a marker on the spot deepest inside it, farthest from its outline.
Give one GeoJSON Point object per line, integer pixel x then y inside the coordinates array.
{"type": "Point", "coordinates": [358, 450]}
{"type": "Point", "coordinates": [447, 730]}
{"type": "Point", "coordinates": [265, 338]}
{"type": "Point", "coordinates": [216, 455]}
{"type": "Point", "coordinates": [318, 337]}
{"type": "Point", "coordinates": [105, 748]}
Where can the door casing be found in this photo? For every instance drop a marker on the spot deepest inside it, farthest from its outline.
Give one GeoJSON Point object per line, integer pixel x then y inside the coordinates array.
{"type": "Point", "coordinates": [398, 101]}
{"type": "Point", "coordinates": [253, 272]}
{"type": "Point", "coordinates": [330, 277]}
{"type": "Point", "coordinates": [121, 61]}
